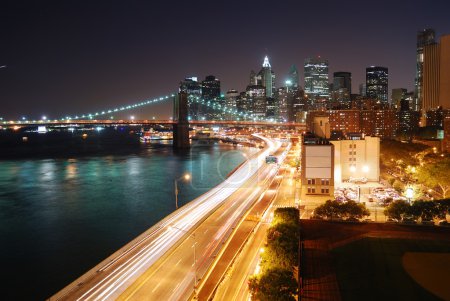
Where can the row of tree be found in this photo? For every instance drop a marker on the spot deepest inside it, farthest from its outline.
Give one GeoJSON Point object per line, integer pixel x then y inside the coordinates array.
{"type": "Point", "coordinates": [341, 210]}
{"type": "Point", "coordinates": [426, 210]}
{"type": "Point", "coordinates": [279, 259]}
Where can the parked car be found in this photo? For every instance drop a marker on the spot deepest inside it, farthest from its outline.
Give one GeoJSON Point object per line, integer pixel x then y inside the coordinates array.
{"type": "Point", "coordinates": [391, 220]}
{"type": "Point", "coordinates": [408, 220]}
{"type": "Point", "coordinates": [428, 222]}
{"type": "Point", "coordinates": [444, 223]}
{"type": "Point", "coordinates": [352, 219]}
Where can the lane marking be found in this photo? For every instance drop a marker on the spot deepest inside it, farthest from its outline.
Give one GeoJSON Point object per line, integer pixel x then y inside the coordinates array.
{"type": "Point", "coordinates": [159, 283]}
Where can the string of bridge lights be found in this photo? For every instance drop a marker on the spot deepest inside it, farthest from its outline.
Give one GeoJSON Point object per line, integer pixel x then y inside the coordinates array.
{"type": "Point", "coordinates": [196, 99]}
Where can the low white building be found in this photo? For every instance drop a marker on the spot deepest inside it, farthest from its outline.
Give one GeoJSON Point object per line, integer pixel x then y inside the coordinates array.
{"type": "Point", "coordinates": [357, 158]}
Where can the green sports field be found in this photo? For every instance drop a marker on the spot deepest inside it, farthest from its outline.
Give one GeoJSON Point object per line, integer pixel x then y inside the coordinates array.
{"type": "Point", "coordinates": [371, 269]}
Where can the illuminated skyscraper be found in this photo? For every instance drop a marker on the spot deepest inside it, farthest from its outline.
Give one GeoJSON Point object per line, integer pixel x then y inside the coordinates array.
{"type": "Point", "coordinates": [430, 77]}
{"type": "Point", "coordinates": [444, 77]}
{"type": "Point", "coordinates": [265, 77]}
{"type": "Point", "coordinates": [316, 78]}
{"type": "Point", "coordinates": [293, 78]}
{"type": "Point", "coordinates": [342, 88]}
{"type": "Point", "coordinates": [436, 75]}
{"type": "Point", "coordinates": [256, 100]}
{"type": "Point", "coordinates": [424, 38]}
{"type": "Point", "coordinates": [231, 101]}
{"type": "Point", "coordinates": [211, 92]}
{"type": "Point", "coordinates": [377, 83]}
{"type": "Point", "coordinates": [193, 88]}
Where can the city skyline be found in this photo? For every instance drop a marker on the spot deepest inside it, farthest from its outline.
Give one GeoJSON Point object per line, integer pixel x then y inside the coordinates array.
{"type": "Point", "coordinates": [75, 58]}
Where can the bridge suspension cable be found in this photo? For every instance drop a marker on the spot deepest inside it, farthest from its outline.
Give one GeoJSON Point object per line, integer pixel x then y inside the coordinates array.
{"type": "Point", "coordinates": [192, 99]}
{"type": "Point", "coordinates": [119, 109]}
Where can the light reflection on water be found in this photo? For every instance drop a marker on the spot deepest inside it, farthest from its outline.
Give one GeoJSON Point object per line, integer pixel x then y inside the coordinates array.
{"type": "Point", "coordinates": [60, 217]}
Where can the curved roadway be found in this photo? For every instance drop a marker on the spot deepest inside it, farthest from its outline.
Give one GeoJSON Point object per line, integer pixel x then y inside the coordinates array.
{"type": "Point", "coordinates": [159, 264]}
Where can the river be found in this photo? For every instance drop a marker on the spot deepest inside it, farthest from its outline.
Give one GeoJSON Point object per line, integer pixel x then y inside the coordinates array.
{"type": "Point", "coordinates": [60, 217]}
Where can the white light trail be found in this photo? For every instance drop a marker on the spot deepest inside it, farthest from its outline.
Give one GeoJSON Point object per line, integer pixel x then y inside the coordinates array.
{"type": "Point", "coordinates": [162, 238]}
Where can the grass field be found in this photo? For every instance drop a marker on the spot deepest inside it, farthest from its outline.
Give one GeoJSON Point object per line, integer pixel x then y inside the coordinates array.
{"type": "Point", "coordinates": [371, 269]}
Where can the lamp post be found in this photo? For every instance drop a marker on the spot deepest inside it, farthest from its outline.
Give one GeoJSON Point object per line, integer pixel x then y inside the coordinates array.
{"type": "Point", "coordinates": [195, 257]}
{"type": "Point", "coordinates": [185, 177]}
{"type": "Point", "coordinates": [409, 194]}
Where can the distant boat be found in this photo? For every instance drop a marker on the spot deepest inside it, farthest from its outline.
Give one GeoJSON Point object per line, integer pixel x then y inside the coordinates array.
{"type": "Point", "coordinates": [151, 136]}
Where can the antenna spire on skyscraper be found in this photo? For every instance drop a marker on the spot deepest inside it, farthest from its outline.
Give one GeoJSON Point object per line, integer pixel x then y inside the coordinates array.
{"type": "Point", "coordinates": [266, 62]}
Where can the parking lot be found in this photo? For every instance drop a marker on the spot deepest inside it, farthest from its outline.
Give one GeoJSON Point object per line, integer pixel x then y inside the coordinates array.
{"type": "Point", "coordinates": [369, 193]}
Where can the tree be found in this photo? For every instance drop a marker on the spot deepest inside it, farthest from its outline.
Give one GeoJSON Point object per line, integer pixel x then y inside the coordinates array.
{"type": "Point", "coordinates": [397, 209]}
{"type": "Point", "coordinates": [282, 246]}
{"type": "Point", "coordinates": [329, 210]}
{"type": "Point", "coordinates": [427, 210]}
{"type": "Point", "coordinates": [351, 209]}
{"type": "Point", "coordinates": [274, 284]}
{"type": "Point", "coordinates": [436, 175]}
{"type": "Point", "coordinates": [287, 215]}
{"type": "Point", "coordinates": [333, 209]}
{"type": "Point", "coordinates": [443, 207]}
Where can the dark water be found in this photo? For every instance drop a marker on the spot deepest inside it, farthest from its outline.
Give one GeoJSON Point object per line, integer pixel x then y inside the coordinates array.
{"type": "Point", "coordinates": [60, 217]}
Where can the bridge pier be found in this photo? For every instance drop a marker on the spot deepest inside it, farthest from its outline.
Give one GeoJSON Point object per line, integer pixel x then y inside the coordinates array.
{"type": "Point", "coordinates": [181, 128]}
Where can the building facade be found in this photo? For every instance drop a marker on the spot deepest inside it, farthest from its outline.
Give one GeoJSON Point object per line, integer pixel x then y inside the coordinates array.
{"type": "Point", "coordinates": [342, 89]}
{"type": "Point", "coordinates": [231, 101]}
{"type": "Point", "coordinates": [444, 77]}
{"type": "Point", "coordinates": [424, 37]}
{"type": "Point", "coordinates": [193, 89]}
{"type": "Point", "coordinates": [316, 79]}
{"type": "Point", "coordinates": [356, 158]}
{"type": "Point", "coordinates": [446, 140]}
{"type": "Point", "coordinates": [317, 170]}
{"type": "Point", "coordinates": [211, 93]}
{"type": "Point", "coordinates": [430, 78]}
{"type": "Point", "coordinates": [256, 100]}
{"type": "Point", "coordinates": [265, 78]}
{"type": "Point", "coordinates": [377, 83]}
{"type": "Point", "coordinates": [375, 122]}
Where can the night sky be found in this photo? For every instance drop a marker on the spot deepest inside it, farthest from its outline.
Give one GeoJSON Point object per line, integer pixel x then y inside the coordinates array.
{"type": "Point", "coordinates": [74, 57]}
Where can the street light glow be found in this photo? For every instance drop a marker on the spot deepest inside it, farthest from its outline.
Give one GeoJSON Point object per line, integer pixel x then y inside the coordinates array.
{"type": "Point", "coordinates": [409, 192]}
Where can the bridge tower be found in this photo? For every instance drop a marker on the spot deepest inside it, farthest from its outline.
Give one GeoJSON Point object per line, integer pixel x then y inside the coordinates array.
{"type": "Point", "coordinates": [181, 127]}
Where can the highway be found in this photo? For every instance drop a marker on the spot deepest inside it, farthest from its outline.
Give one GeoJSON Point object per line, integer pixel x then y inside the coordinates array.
{"type": "Point", "coordinates": [159, 264]}
{"type": "Point", "coordinates": [235, 286]}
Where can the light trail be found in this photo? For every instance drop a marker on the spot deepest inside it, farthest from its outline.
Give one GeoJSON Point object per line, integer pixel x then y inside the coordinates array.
{"type": "Point", "coordinates": [161, 239]}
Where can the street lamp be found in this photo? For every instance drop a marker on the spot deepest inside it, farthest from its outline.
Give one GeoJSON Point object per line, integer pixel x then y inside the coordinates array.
{"type": "Point", "coordinates": [195, 256]}
{"type": "Point", "coordinates": [185, 177]}
{"type": "Point", "coordinates": [409, 194]}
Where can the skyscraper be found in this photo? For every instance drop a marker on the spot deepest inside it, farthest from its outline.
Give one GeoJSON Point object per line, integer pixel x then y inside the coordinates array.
{"type": "Point", "coordinates": [316, 78]}
{"type": "Point", "coordinates": [231, 101]}
{"type": "Point", "coordinates": [424, 37]}
{"type": "Point", "coordinates": [293, 77]}
{"type": "Point", "coordinates": [266, 77]}
{"type": "Point", "coordinates": [436, 75]}
{"type": "Point", "coordinates": [362, 89]}
{"type": "Point", "coordinates": [397, 95]}
{"type": "Point", "coordinates": [256, 100]}
{"type": "Point", "coordinates": [444, 80]}
{"type": "Point", "coordinates": [342, 88]}
{"type": "Point", "coordinates": [193, 88]}
{"type": "Point", "coordinates": [211, 92]}
{"type": "Point", "coordinates": [377, 83]}
{"type": "Point", "coordinates": [430, 77]}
